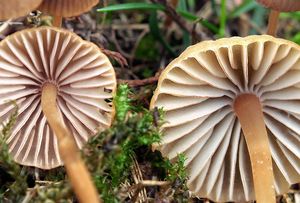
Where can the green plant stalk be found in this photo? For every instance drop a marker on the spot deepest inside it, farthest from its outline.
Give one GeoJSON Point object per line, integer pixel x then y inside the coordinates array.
{"type": "Point", "coordinates": [222, 19]}
{"type": "Point", "coordinates": [122, 102]}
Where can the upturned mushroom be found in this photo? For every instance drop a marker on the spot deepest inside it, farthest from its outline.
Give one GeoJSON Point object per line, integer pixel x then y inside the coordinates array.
{"type": "Point", "coordinates": [276, 7]}
{"type": "Point", "coordinates": [60, 83]}
{"type": "Point", "coordinates": [16, 8]}
{"type": "Point", "coordinates": [232, 107]}
{"type": "Point", "coordinates": [66, 8]}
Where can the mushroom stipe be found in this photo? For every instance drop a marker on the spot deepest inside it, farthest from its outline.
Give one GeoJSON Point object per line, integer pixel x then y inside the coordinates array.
{"type": "Point", "coordinates": [276, 7]}
{"type": "Point", "coordinates": [248, 109]}
{"type": "Point", "coordinates": [77, 172]}
{"type": "Point", "coordinates": [232, 107]}
{"type": "Point", "coordinates": [272, 22]}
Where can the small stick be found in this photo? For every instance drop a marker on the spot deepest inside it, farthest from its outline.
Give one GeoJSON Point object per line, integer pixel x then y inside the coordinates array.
{"type": "Point", "coordinates": [57, 21]}
{"type": "Point", "coordinates": [78, 174]}
{"type": "Point", "coordinates": [138, 83]}
{"type": "Point", "coordinates": [272, 23]}
{"type": "Point", "coordinates": [154, 183]}
{"type": "Point", "coordinates": [4, 26]}
{"type": "Point", "coordinates": [178, 19]}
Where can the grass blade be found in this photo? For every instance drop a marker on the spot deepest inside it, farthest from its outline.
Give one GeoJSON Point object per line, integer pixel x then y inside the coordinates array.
{"type": "Point", "coordinates": [132, 6]}
{"type": "Point", "coordinates": [222, 19]}
{"type": "Point", "coordinates": [154, 29]}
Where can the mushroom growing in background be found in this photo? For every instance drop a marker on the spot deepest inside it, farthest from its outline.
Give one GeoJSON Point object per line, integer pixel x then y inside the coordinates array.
{"type": "Point", "coordinates": [66, 8]}
{"type": "Point", "coordinates": [278, 6]}
{"type": "Point", "coordinates": [16, 8]}
{"type": "Point", "coordinates": [218, 97]}
{"type": "Point", "coordinates": [60, 83]}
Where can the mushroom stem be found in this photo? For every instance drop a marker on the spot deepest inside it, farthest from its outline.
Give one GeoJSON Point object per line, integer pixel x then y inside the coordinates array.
{"type": "Point", "coordinates": [249, 112]}
{"type": "Point", "coordinates": [57, 20]}
{"type": "Point", "coordinates": [78, 174]}
{"type": "Point", "coordinates": [272, 23]}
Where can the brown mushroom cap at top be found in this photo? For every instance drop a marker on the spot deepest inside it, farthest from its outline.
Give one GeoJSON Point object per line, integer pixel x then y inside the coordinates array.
{"type": "Point", "coordinates": [16, 8]}
{"type": "Point", "coordinates": [67, 8]}
{"type": "Point", "coordinates": [197, 92]}
{"type": "Point", "coordinates": [85, 81]}
{"type": "Point", "coordinates": [281, 5]}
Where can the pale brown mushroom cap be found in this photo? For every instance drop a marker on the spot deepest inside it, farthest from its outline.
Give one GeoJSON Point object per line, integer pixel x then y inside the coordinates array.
{"type": "Point", "coordinates": [281, 5]}
{"type": "Point", "coordinates": [16, 8]}
{"type": "Point", "coordinates": [67, 8]}
{"type": "Point", "coordinates": [197, 91]}
{"type": "Point", "coordinates": [84, 77]}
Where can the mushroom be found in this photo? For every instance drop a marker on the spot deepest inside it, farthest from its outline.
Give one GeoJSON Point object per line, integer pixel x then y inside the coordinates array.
{"type": "Point", "coordinates": [232, 107]}
{"type": "Point", "coordinates": [61, 84]}
{"type": "Point", "coordinates": [66, 8]}
{"type": "Point", "coordinates": [16, 8]}
{"type": "Point", "coordinates": [278, 6]}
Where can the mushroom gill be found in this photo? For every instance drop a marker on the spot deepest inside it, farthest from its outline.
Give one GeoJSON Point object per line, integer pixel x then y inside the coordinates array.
{"type": "Point", "coordinates": [84, 80]}
{"type": "Point", "coordinates": [218, 96]}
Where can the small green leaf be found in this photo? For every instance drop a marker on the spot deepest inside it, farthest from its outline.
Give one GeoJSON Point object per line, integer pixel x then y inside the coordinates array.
{"type": "Point", "coordinates": [131, 6]}
{"type": "Point", "coordinates": [222, 19]}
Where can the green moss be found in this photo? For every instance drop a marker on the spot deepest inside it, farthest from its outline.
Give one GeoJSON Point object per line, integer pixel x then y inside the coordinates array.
{"type": "Point", "coordinates": [109, 154]}
{"type": "Point", "coordinates": [15, 189]}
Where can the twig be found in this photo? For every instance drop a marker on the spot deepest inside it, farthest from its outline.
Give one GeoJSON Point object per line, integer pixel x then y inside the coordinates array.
{"type": "Point", "coordinates": [177, 18]}
{"type": "Point", "coordinates": [154, 183]}
{"type": "Point", "coordinates": [4, 26]}
{"type": "Point", "coordinates": [140, 193]}
{"type": "Point", "coordinates": [138, 40]}
{"type": "Point", "coordinates": [116, 56]}
{"type": "Point", "coordinates": [114, 40]}
{"type": "Point", "coordinates": [29, 194]}
{"type": "Point", "coordinates": [146, 183]}
{"type": "Point", "coordinates": [45, 182]}
{"type": "Point", "coordinates": [137, 83]}
{"type": "Point", "coordinates": [173, 14]}
{"type": "Point", "coordinates": [169, 20]}
{"type": "Point", "coordinates": [136, 26]}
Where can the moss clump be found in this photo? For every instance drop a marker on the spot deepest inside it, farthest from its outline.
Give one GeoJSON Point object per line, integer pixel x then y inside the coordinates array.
{"type": "Point", "coordinates": [109, 154]}
{"type": "Point", "coordinates": [14, 186]}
